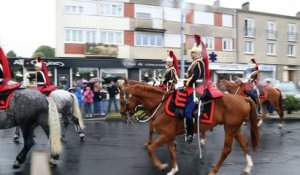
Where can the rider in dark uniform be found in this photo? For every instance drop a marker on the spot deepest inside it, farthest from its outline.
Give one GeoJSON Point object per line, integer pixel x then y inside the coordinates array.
{"type": "Point", "coordinates": [40, 75]}
{"type": "Point", "coordinates": [5, 72]}
{"type": "Point", "coordinates": [197, 70]}
{"type": "Point", "coordinates": [171, 75]}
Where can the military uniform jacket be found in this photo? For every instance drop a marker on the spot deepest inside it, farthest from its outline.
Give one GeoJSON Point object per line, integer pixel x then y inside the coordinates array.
{"type": "Point", "coordinates": [170, 75]}
{"type": "Point", "coordinates": [41, 80]}
{"type": "Point", "coordinates": [195, 72]}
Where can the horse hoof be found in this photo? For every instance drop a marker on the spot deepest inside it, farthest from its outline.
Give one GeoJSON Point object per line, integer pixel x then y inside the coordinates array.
{"type": "Point", "coordinates": [173, 171]}
{"type": "Point", "coordinates": [202, 142]}
{"type": "Point", "coordinates": [245, 173]}
{"type": "Point", "coordinates": [163, 166]}
{"type": "Point", "coordinates": [53, 162]}
{"type": "Point", "coordinates": [81, 135]}
{"type": "Point", "coordinates": [16, 165]}
{"type": "Point", "coordinates": [280, 126]}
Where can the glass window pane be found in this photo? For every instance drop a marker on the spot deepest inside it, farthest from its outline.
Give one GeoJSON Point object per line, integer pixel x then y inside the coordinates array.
{"type": "Point", "coordinates": [118, 37]}
{"type": "Point", "coordinates": [145, 40]}
{"type": "Point", "coordinates": [68, 33]}
{"type": "Point", "coordinates": [138, 39]}
{"type": "Point", "coordinates": [159, 40]}
{"type": "Point", "coordinates": [74, 37]}
{"type": "Point", "coordinates": [152, 40]}
{"type": "Point", "coordinates": [103, 37]}
{"type": "Point", "coordinates": [111, 37]}
{"type": "Point", "coordinates": [80, 36]}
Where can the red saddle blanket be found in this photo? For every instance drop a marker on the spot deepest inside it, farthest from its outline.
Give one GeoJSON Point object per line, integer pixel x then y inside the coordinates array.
{"type": "Point", "coordinates": [214, 91]}
{"type": "Point", "coordinates": [261, 87]}
{"type": "Point", "coordinates": [6, 92]}
{"type": "Point", "coordinates": [46, 89]}
{"type": "Point", "coordinates": [207, 111]}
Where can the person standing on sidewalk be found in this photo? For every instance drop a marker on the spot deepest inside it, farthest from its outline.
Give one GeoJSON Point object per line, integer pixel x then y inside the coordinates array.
{"type": "Point", "coordinates": [113, 91]}
{"type": "Point", "coordinates": [96, 91]}
{"type": "Point", "coordinates": [88, 96]}
{"type": "Point", "coordinates": [103, 101]}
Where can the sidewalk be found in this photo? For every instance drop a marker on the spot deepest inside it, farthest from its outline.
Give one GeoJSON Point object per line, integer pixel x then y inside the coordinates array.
{"type": "Point", "coordinates": [109, 116]}
{"type": "Point", "coordinates": [294, 116]}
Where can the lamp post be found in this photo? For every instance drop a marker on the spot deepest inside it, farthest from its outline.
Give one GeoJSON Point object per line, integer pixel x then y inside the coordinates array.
{"type": "Point", "coordinates": [182, 15]}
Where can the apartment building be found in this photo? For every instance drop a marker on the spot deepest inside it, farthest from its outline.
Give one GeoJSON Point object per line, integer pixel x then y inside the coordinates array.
{"type": "Point", "coordinates": [272, 39]}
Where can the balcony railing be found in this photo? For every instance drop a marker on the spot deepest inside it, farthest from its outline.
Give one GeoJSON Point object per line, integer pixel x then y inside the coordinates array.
{"type": "Point", "coordinates": [249, 31]}
{"type": "Point", "coordinates": [292, 36]}
{"type": "Point", "coordinates": [272, 34]}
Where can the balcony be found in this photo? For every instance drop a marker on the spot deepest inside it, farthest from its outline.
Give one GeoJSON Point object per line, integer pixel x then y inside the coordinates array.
{"type": "Point", "coordinates": [92, 49]}
{"type": "Point", "coordinates": [272, 34]}
{"type": "Point", "coordinates": [150, 24]}
{"type": "Point", "coordinates": [292, 36]}
{"type": "Point", "coordinates": [249, 32]}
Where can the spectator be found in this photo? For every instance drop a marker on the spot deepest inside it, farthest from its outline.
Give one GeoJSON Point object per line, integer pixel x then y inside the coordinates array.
{"type": "Point", "coordinates": [269, 106]}
{"type": "Point", "coordinates": [88, 96]}
{"type": "Point", "coordinates": [113, 91]}
{"type": "Point", "coordinates": [60, 86]}
{"type": "Point", "coordinates": [103, 101]}
{"type": "Point", "coordinates": [96, 91]}
{"type": "Point", "coordinates": [78, 94]}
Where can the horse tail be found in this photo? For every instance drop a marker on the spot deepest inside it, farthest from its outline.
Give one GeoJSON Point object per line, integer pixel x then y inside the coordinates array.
{"type": "Point", "coordinates": [280, 103]}
{"type": "Point", "coordinates": [254, 130]}
{"type": "Point", "coordinates": [54, 126]}
{"type": "Point", "coordinates": [77, 111]}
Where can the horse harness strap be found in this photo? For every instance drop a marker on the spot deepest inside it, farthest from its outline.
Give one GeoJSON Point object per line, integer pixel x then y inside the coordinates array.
{"type": "Point", "coordinates": [237, 90]}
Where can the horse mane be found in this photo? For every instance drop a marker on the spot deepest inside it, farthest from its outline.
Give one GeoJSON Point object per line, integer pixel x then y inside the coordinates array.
{"type": "Point", "coordinates": [148, 88]}
{"type": "Point", "coordinates": [134, 82]}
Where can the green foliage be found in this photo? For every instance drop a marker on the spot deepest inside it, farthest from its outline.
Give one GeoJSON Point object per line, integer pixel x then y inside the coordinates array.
{"type": "Point", "coordinates": [291, 104]}
{"type": "Point", "coordinates": [11, 54]}
{"type": "Point", "coordinates": [40, 54]}
{"type": "Point", "coordinates": [48, 51]}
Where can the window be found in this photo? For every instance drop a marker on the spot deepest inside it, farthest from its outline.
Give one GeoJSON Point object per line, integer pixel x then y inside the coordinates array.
{"type": "Point", "coordinates": [249, 47]}
{"type": "Point", "coordinates": [210, 42]}
{"type": "Point", "coordinates": [148, 39]}
{"type": "Point", "coordinates": [271, 49]}
{"type": "Point", "coordinates": [73, 9]}
{"type": "Point", "coordinates": [291, 50]}
{"type": "Point", "coordinates": [111, 9]}
{"type": "Point", "coordinates": [227, 20]}
{"type": "Point", "coordinates": [204, 18]}
{"type": "Point", "coordinates": [74, 35]}
{"type": "Point", "coordinates": [292, 32]}
{"type": "Point", "coordinates": [111, 37]}
{"type": "Point", "coordinates": [271, 32]}
{"type": "Point", "coordinates": [148, 12]}
{"type": "Point", "coordinates": [227, 44]}
{"type": "Point", "coordinates": [249, 27]}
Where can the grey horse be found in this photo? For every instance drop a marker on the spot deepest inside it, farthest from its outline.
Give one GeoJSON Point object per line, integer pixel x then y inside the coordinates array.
{"type": "Point", "coordinates": [68, 107]}
{"type": "Point", "coordinates": [29, 108]}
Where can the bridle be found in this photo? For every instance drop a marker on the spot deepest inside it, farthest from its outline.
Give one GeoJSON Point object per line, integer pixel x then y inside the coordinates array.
{"type": "Point", "coordinates": [129, 115]}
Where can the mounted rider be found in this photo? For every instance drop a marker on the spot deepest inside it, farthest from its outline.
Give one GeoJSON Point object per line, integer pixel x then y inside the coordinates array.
{"type": "Point", "coordinates": [172, 72]}
{"type": "Point", "coordinates": [42, 78]}
{"type": "Point", "coordinates": [198, 70]}
{"type": "Point", "coordinates": [6, 74]}
{"type": "Point", "coordinates": [253, 78]}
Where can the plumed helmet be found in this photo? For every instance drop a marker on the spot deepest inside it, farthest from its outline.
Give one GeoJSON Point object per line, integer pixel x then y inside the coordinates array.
{"type": "Point", "coordinates": [170, 56]}
{"type": "Point", "coordinates": [197, 45]}
{"type": "Point", "coordinates": [38, 62]}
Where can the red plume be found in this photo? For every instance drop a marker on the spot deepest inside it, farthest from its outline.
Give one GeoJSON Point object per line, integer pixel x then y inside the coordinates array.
{"type": "Point", "coordinates": [175, 62]}
{"type": "Point", "coordinates": [197, 39]}
{"type": "Point", "coordinates": [6, 70]}
{"type": "Point", "coordinates": [206, 67]}
{"type": "Point", "coordinates": [44, 70]}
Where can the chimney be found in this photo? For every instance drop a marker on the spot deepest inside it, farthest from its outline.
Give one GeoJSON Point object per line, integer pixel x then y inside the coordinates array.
{"type": "Point", "coordinates": [246, 6]}
{"type": "Point", "coordinates": [217, 4]}
{"type": "Point", "coordinates": [298, 14]}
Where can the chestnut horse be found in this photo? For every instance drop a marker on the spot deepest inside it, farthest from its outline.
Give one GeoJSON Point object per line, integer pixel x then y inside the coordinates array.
{"type": "Point", "coordinates": [230, 110]}
{"type": "Point", "coordinates": [273, 95]}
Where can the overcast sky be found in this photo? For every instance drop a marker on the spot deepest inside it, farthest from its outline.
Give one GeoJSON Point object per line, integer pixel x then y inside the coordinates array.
{"type": "Point", "coordinates": [27, 24]}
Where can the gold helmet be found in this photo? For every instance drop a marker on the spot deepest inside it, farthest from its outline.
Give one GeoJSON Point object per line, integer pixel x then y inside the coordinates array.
{"type": "Point", "coordinates": [170, 56]}
{"type": "Point", "coordinates": [38, 62]}
{"type": "Point", "coordinates": [197, 45]}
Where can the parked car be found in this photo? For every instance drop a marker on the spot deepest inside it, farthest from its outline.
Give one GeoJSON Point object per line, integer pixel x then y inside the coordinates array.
{"type": "Point", "coordinates": [288, 88]}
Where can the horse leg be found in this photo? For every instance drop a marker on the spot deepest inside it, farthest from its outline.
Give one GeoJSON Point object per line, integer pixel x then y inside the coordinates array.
{"type": "Point", "coordinates": [28, 143]}
{"type": "Point", "coordinates": [65, 125]}
{"type": "Point", "coordinates": [172, 152]}
{"type": "Point", "coordinates": [279, 110]}
{"type": "Point", "coordinates": [203, 138]}
{"type": "Point", "coordinates": [230, 132]}
{"type": "Point", "coordinates": [78, 128]}
{"type": "Point", "coordinates": [151, 131]}
{"type": "Point", "coordinates": [17, 135]}
{"type": "Point", "coordinates": [162, 139]}
{"type": "Point", "coordinates": [244, 144]}
{"type": "Point", "coordinates": [264, 114]}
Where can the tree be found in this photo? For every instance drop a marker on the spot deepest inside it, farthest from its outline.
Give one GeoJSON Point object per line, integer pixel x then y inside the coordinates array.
{"type": "Point", "coordinates": [46, 50]}
{"type": "Point", "coordinates": [40, 54]}
{"type": "Point", "coordinates": [11, 54]}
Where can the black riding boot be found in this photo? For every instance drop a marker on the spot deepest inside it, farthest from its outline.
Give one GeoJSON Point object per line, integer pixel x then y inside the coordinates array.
{"type": "Point", "coordinates": [189, 128]}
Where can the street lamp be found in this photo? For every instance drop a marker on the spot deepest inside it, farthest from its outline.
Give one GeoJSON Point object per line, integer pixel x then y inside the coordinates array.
{"type": "Point", "coordinates": [182, 16]}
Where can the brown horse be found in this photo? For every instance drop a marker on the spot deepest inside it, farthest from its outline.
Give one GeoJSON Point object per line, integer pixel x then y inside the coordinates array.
{"type": "Point", "coordinates": [273, 96]}
{"type": "Point", "coordinates": [230, 110]}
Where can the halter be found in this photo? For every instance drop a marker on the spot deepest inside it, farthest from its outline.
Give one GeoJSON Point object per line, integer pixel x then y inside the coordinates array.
{"type": "Point", "coordinates": [130, 115]}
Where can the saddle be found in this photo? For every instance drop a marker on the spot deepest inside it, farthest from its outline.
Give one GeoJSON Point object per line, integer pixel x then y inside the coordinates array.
{"type": "Point", "coordinates": [6, 92]}
{"type": "Point", "coordinates": [249, 86]}
{"type": "Point", "coordinates": [46, 89]}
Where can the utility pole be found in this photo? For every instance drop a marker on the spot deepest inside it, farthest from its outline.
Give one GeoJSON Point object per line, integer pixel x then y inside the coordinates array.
{"type": "Point", "coordinates": [182, 16]}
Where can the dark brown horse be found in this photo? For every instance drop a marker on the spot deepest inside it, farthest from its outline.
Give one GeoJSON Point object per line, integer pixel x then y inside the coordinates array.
{"type": "Point", "coordinates": [273, 96]}
{"type": "Point", "coordinates": [230, 110]}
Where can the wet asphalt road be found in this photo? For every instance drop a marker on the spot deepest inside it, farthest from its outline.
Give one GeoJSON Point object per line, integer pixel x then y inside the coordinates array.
{"type": "Point", "coordinates": [115, 148]}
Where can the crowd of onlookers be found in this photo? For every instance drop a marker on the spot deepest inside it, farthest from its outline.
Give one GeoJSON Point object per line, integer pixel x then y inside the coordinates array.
{"type": "Point", "coordinates": [96, 99]}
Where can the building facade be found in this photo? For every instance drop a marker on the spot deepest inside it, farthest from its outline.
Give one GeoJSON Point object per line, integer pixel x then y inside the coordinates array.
{"type": "Point", "coordinates": [142, 29]}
